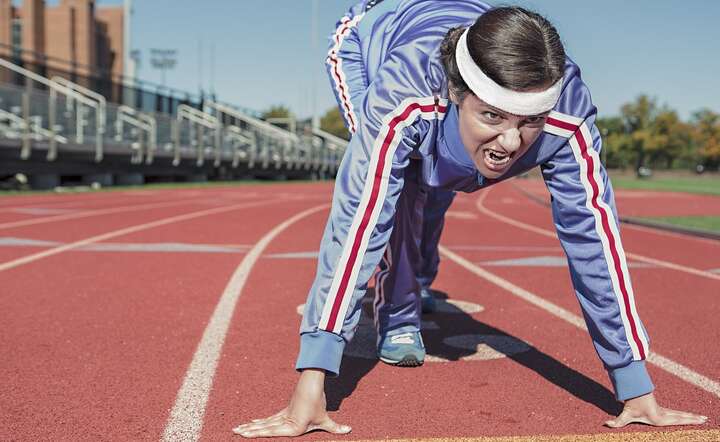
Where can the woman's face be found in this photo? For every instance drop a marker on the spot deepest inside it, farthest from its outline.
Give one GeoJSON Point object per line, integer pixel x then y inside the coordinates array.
{"type": "Point", "coordinates": [495, 139]}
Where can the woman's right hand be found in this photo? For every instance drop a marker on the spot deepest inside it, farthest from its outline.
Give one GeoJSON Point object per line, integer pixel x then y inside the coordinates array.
{"type": "Point", "coordinates": [306, 412]}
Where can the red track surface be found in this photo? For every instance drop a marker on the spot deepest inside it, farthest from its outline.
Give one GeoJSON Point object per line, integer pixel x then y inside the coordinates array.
{"type": "Point", "coordinates": [96, 344]}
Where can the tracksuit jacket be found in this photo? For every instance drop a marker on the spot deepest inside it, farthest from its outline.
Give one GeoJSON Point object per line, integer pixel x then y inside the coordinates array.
{"type": "Point", "coordinates": [386, 73]}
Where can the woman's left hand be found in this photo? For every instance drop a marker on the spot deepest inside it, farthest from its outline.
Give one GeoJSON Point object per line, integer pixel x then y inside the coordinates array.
{"type": "Point", "coordinates": [645, 410]}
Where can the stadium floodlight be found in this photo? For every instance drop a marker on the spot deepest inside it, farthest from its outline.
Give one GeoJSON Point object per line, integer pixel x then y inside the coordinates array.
{"type": "Point", "coordinates": [163, 59]}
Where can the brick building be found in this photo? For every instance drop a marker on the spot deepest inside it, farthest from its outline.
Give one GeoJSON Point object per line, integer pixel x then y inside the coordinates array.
{"type": "Point", "coordinates": [75, 37]}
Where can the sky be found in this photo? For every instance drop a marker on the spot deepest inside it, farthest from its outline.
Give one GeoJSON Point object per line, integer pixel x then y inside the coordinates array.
{"type": "Point", "coordinates": [260, 53]}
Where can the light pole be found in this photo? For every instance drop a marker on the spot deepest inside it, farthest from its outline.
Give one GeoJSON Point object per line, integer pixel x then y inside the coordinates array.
{"type": "Point", "coordinates": [163, 59]}
{"type": "Point", "coordinates": [313, 89]}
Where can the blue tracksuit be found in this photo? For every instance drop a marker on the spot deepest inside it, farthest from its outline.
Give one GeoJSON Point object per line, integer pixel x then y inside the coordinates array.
{"type": "Point", "coordinates": [391, 87]}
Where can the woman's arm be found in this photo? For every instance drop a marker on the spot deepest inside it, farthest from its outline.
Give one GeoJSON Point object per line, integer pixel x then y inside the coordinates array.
{"type": "Point", "coordinates": [585, 218]}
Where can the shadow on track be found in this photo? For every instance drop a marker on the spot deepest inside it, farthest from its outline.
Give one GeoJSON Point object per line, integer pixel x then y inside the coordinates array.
{"type": "Point", "coordinates": [458, 336]}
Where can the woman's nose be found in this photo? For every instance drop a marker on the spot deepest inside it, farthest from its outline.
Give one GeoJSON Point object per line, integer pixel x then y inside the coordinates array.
{"type": "Point", "coordinates": [510, 139]}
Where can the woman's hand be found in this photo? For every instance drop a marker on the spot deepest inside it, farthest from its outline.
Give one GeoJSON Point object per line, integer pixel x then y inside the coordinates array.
{"type": "Point", "coordinates": [306, 412]}
{"type": "Point", "coordinates": [645, 410]}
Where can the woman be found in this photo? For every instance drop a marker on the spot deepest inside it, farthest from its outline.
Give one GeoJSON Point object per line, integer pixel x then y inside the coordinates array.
{"type": "Point", "coordinates": [456, 96]}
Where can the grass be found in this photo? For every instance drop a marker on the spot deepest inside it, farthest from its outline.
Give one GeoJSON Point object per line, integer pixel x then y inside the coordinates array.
{"type": "Point", "coordinates": [707, 223]}
{"type": "Point", "coordinates": [707, 184]}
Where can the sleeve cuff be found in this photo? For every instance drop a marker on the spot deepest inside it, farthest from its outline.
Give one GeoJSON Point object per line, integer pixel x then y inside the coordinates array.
{"type": "Point", "coordinates": [631, 381]}
{"type": "Point", "coordinates": [321, 349]}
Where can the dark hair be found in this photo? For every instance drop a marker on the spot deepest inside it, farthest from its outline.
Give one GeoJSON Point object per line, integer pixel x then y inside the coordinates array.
{"type": "Point", "coordinates": [518, 49]}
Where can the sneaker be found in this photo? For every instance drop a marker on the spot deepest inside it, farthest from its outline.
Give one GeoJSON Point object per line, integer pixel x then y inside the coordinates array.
{"type": "Point", "coordinates": [427, 300]}
{"type": "Point", "coordinates": [404, 350]}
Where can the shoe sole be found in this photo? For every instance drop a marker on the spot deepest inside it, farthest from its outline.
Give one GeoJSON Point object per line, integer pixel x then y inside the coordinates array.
{"type": "Point", "coordinates": [407, 361]}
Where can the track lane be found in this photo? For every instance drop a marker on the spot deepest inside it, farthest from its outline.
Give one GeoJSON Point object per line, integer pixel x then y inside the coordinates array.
{"type": "Point", "coordinates": [653, 284]}
{"type": "Point", "coordinates": [454, 399]}
{"type": "Point", "coordinates": [476, 398]}
{"type": "Point", "coordinates": [697, 253]}
{"type": "Point", "coordinates": [118, 332]}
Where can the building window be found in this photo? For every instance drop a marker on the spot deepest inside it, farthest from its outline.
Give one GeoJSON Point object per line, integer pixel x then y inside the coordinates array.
{"type": "Point", "coordinates": [17, 37]}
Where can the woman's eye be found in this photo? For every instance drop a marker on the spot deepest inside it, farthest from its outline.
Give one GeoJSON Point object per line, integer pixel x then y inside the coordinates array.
{"type": "Point", "coordinates": [491, 116]}
{"type": "Point", "coordinates": [535, 120]}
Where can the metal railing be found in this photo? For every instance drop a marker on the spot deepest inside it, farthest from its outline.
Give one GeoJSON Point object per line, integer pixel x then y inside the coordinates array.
{"type": "Point", "coordinates": [100, 110]}
{"type": "Point", "coordinates": [143, 147]}
{"type": "Point", "coordinates": [331, 150]}
{"type": "Point", "coordinates": [54, 89]}
{"type": "Point", "coordinates": [198, 121]}
{"type": "Point", "coordinates": [58, 111]}
{"type": "Point", "coordinates": [275, 143]}
{"type": "Point", "coordinates": [21, 126]}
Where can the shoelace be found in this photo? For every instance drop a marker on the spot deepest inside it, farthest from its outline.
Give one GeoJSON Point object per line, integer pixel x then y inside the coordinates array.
{"type": "Point", "coordinates": [403, 338]}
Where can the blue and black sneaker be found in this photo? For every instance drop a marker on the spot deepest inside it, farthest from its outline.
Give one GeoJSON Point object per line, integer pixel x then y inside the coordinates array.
{"type": "Point", "coordinates": [404, 349]}
{"type": "Point", "coordinates": [427, 300]}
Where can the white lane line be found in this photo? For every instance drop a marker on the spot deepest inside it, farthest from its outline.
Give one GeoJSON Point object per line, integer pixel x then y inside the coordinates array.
{"type": "Point", "coordinates": [672, 367]}
{"type": "Point", "coordinates": [508, 248]}
{"type": "Point", "coordinates": [169, 247]}
{"type": "Point", "coordinates": [96, 212]}
{"type": "Point", "coordinates": [132, 229]}
{"type": "Point", "coordinates": [42, 211]}
{"type": "Point", "coordinates": [186, 418]}
{"type": "Point", "coordinates": [658, 262]}
{"type": "Point", "coordinates": [684, 237]}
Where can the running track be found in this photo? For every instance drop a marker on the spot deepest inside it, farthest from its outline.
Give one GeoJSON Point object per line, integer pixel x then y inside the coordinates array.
{"type": "Point", "coordinates": [172, 314]}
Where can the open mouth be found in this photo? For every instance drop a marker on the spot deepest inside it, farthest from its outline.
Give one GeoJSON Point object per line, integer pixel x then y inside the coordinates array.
{"type": "Point", "coordinates": [496, 159]}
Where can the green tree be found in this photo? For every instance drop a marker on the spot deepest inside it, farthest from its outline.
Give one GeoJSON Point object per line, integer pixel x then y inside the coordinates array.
{"type": "Point", "coordinates": [617, 144]}
{"type": "Point", "coordinates": [706, 134]}
{"type": "Point", "coordinates": [332, 122]}
{"type": "Point", "coordinates": [277, 111]}
{"type": "Point", "coordinates": [670, 139]}
{"type": "Point", "coordinates": [638, 118]}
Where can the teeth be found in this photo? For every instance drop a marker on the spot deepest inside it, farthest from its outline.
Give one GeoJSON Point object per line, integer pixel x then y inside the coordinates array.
{"type": "Point", "coordinates": [495, 158]}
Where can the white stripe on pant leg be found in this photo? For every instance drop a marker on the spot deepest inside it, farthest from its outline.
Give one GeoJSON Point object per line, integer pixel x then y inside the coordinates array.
{"type": "Point", "coordinates": [186, 417]}
{"type": "Point", "coordinates": [380, 290]}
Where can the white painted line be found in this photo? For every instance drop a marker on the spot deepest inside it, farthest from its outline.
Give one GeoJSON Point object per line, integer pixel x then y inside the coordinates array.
{"type": "Point", "coordinates": [186, 417]}
{"type": "Point", "coordinates": [145, 247]}
{"type": "Point", "coordinates": [666, 364]}
{"type": "Point", "coordinates": [293, 255]}
{"type": "Point", "coordinates": [42, 211]}
{"type": "Point", "coordinates": [132, 229]}
{"type": "Point", "coordinates": [658, 262]}
{"type": "Point", "coordinates": [508, 248]}
{"type": "Point", "coordinates": [460, 214]}
{"type": "Point", "coordinates": [38, 203]}
{"type": "Point", "coordinates": [681, 236]}
{"type": "Point", "coordinates": [97, 212]}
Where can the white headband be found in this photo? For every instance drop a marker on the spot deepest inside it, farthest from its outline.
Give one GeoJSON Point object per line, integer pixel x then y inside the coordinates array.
{"type": "Point", "coordinates": [518, 103]}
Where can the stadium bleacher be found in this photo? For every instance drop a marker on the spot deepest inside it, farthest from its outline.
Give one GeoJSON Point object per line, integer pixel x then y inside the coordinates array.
{"type": "Point", "coordinates": [57, 131]}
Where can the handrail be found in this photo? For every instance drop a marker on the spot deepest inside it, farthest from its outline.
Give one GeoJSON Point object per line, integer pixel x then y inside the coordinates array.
{"type": "Point", "coordinates": [140, 120]}
{"type": "Point", "coordinates": [252, 120]}
{"type": "Point", "coordinates": [236, 133]}
{"type": "Point", "coordinates": [54, 89]}
{"type": "Point", "coordinates": [330, 137]}
{"type": "Point", "coordinates": [197, 116]}
{"type": "Point", "coordinates": [100, 111]}
{"type": "Point", "coordinates": [288, 140]}
{"type": "Point", "coordinates": [203, 119]}
{"type": "Point", "coordinates": [38, 129]}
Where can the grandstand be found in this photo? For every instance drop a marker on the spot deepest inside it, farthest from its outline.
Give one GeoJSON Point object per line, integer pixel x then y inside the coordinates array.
{"type": "Point", "coordinates": [56, 129]}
